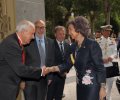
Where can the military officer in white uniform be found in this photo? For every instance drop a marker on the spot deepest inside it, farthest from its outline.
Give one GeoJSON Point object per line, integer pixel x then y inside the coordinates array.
{"type": "Point", "coordinates": [109, 51]}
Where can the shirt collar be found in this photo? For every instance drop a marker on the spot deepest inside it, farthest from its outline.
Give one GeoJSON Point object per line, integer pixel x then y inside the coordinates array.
{"type": "Point", "coordinates": [38, 38]}
{"type": "Point", "coordinates": [59, 42]}
{"type": "Point", "coordinates": [20, 40]}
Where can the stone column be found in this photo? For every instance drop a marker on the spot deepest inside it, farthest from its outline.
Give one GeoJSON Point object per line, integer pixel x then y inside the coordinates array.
{"type": "Point", "coordinates": [30, 10]}
{"type": "Point", "coordinates": [7, 17]}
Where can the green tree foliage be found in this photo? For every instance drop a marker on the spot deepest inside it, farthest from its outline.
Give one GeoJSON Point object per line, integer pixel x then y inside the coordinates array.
{"type": "Point", "coordinates": [58, 12]}
{"type": "Point", "coordinates": [113, 12]}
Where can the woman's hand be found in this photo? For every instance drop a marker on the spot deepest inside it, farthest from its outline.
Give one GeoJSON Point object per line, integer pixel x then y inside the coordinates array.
{"type": "Point", "coordinates": [52, 69]}
{"type": "Point", "coordinates": [102, 93]}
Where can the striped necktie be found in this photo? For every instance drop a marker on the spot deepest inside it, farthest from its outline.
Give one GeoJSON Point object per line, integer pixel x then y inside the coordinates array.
{"type": "Point", "coordinates": [61, 48]}
{"type": "Point", "coordinates": [42, 53]}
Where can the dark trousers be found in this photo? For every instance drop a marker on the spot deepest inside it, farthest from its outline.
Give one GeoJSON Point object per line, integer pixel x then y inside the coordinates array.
{"type": "Point", "coordinates": [55, 89]}
{"type": "Point", "coordinates": [36, 90]}
{"type": "Point", "coordinates": [88, 92]}
{"type": "Point", "coordinates": [8, 91]}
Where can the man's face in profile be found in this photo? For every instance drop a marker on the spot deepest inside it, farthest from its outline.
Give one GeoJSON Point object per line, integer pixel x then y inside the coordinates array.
{"type": "Point", "coordinates": [28, 35]}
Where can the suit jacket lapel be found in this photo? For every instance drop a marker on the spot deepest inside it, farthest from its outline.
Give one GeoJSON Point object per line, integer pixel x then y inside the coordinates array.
{"type": "Point", "coordinates": [57, 46]}
{"type": "Point", "coordinates": [36, 48]}
{"type": "Point", "coordinates": [65, 48]}
{"type": "Point", "coordinates": [46, 49]}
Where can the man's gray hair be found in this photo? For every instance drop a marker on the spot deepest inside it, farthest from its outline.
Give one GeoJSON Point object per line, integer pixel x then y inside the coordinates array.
{"type": "Point", "coordinates": [57, 28]}
{"type": "Point", "coordinates": [24, 25]}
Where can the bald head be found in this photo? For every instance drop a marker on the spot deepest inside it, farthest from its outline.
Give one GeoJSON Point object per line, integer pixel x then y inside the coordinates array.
{"type": "Point", "coordinates": [39, 22]}
{"type": "Point", "coordinates": [40, 28]}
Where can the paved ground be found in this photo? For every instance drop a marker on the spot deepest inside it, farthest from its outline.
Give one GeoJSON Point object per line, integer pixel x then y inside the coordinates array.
{"type": "Point", "coordinates": [70, 86]}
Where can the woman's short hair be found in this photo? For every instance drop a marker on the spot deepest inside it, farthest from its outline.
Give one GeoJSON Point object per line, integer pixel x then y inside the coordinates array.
{"type": "Point", "coordinates": [81, 25]}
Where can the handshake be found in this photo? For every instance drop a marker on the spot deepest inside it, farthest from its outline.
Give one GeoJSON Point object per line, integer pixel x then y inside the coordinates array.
{"type": "Point", "coordinates": [47, 70]}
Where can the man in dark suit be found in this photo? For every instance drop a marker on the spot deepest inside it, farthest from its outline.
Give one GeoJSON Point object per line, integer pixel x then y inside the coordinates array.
{"type": "Point", "coordinates": [12, 67]}
{"type": "Point", "coordinates": [37, 90]}
{"type": "Point", "coordinates": [55, 89]}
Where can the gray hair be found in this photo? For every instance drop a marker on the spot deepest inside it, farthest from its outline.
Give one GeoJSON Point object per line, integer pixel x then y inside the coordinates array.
{"type": "Point", "coordinates": [57, 28]}
{"type": "Point", "coordinates": [81, 24]}
{"type": "Point", "coordinates": [24, 25]}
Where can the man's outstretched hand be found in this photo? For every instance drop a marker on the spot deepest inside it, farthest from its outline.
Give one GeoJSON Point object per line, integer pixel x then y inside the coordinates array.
{"type": "Point", "coordinates": [47, 70]}
{"type": "Point", "coordinates": [44, 71]}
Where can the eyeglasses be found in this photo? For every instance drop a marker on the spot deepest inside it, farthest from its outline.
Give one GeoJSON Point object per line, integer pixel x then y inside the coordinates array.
{"type": "Point", "coordinates": [42, 27]}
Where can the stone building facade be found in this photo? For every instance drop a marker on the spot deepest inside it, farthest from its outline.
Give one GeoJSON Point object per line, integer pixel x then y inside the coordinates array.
{"type": "Point", "coordinates": [12, 11]}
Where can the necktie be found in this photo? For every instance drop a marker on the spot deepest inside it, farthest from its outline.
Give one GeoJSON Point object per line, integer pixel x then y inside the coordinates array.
{"type": "Point", "coordinates": [23, 56]}
{"type": "Point", "coordinates": [23, 52]}
{"type": "Point", "coordinates": [61, 48]}
{"type": "Point", "coordinates": [42, 53]}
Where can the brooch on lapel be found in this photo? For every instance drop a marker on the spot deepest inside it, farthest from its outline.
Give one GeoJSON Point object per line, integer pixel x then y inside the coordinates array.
{"type": "Point", "coordinates": [87, 79]}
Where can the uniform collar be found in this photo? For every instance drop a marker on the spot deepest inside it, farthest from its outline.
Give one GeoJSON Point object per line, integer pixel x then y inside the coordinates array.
{"type": "Point", "coordinates": [104, 39]}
